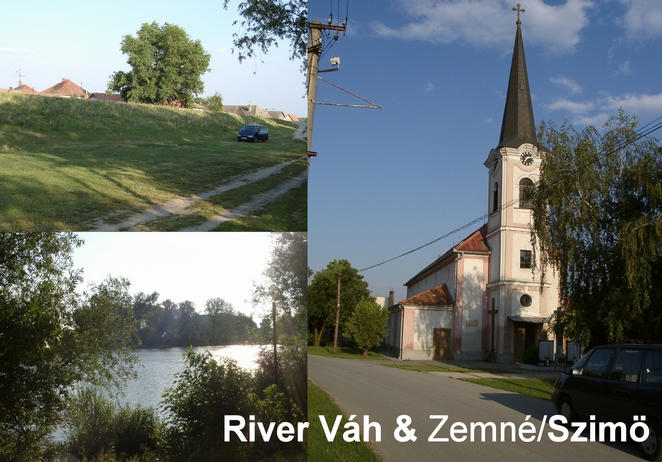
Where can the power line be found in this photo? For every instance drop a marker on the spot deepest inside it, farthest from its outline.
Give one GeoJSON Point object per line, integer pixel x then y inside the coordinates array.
{"type": "Point", "coordinates": [640, 133]}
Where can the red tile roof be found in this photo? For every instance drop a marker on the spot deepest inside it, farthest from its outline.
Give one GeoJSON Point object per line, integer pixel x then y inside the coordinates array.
{"type": "Point", "coordinates": [293, 117]}
{"type": "Point", "coordinates": [476, 242]}
{"type": "Point", "coordinates": [106, 97]}
{"type": "Point", "coordinates": [65, 88]}
{"type": "Point", "coordinates": [23, 88]}
{"type": "Point", "coordinates": [436, 296]}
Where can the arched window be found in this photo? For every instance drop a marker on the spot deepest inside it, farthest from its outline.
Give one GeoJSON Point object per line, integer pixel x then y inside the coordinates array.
{"type": "Point", "coordinates": [525, 193]}
{"type": "Point", "coordinates": [495, 197]}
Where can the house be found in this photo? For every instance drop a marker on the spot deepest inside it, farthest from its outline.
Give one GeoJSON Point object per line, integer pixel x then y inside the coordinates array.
{"type": "Point", "coordinates": [250, 110]}
{"type": "Point", "coordinates": [481, 299]}
{"type": "Point", "coordinates": [279, 115]}
{"type": "Point", "coordinates": [115, 97]}
{"type": "Point", "coordinates": [66, 88]}
{"type": "Point", "coordinates": [23, 88]}
{"type": "Point", "coordinates": [293, 117]}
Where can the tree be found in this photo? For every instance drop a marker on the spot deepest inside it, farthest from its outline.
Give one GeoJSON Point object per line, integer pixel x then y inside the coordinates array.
{"type": "Point", "coordinates": [265, 22]}
{"type": "Point", "coordinates": [322, 295]}
{"type": "Point", "coordinates": [215, 102]}
{"type": "Point", "coordinates": [367, 325]}
{"type": "Point", "coordinates": [166, 66]}
{"type": "Point", "coordinates": [286, 285]}
{"type": "Point", "coordinates": [51, 336]}
{"type": "Point", "coordinates": [597, 213]}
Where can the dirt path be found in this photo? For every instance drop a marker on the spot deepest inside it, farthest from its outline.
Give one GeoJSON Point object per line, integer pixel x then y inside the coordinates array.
{"type": "Point", "coordinates": [300, 132]}
{"type": "Point", "coordinates": [179, 205]}
{"type": "Point", "coordinates": [257, 202]}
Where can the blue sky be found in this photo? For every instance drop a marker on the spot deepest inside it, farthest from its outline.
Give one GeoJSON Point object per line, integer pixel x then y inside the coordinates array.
{"type": "Point", "coordinates": [386, 181]}
{"type": "Point", "coordinates": [80, 40]}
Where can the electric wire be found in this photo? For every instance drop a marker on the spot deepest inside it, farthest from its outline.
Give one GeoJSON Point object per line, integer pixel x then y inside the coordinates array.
{"type": "Point", "coordinates": [639, 133]}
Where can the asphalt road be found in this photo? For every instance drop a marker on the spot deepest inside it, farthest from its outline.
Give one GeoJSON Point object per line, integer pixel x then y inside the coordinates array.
{"type": "Point", "coordinates": [365, 387]}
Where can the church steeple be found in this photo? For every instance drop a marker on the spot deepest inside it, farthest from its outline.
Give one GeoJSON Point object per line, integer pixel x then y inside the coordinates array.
{"type": "Point", "coordinates": [518, 126]}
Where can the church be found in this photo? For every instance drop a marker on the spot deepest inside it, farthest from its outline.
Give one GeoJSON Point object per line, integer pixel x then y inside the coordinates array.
{"type": "Point", "coordinates": [482, 300]}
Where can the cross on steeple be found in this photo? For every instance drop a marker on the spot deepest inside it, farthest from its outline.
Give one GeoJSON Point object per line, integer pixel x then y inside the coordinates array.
{"type": "Point", "coordinates": [519, 10]}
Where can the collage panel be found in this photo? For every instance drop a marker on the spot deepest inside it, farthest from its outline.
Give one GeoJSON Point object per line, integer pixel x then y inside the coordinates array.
{"type": "Point", "coordinates": [129, 330]}
{"type": "Point", "coordinates": [166, 118]}
{"type": "Point", "coordinates": [484, 218]}
{"type": "Point", "coordinates": [148, 346]}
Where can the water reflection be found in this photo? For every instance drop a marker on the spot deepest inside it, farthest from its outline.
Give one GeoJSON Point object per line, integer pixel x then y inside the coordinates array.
{"type": "Point", "coordinates": [157, 368]}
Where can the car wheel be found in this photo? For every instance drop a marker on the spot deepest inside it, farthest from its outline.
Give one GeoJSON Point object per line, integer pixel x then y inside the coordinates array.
{"type": "Point", "coordinates": [652, 446]}
{"type": "Point", "coordinates": [566, 410]}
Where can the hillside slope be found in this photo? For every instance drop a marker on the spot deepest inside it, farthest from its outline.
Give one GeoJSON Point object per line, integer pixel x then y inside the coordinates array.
{"type": "Point", "coordinates": [65, 163]}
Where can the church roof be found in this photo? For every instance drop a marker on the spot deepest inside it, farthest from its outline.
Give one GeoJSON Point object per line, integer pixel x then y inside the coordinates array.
{"type": "Point", "coordinates": [435, 296]}
{"type": "Point", "coordinates": [476, 242]}
{"type": "Point", "coordinates": [518, 126]}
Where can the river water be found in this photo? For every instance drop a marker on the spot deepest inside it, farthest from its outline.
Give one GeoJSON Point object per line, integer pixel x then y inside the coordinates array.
{"type": "Point", "coordinates": [156, 369]}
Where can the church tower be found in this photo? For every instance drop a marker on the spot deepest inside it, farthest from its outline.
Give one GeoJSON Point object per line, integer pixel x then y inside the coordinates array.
{"type": "Point", "coordinates": [517, 305]}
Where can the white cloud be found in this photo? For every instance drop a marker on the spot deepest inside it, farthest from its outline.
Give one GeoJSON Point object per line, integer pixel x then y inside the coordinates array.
{"type": "Point", "coordinates": [16, 51]}
{"type": "Point", "coordinates": [429, 87]}
{"type": "Point", "coordinates": [637, 104]}
{"type": "Point", "coordinates": [571, 106]}
{"type": "Point", "coordinates": [624, 68]}
{"type": "Point", "coordinates": [643, 18]}
{"type": "Point", "coordinates": [489, 22]}
{"type": "Point", "coordinates": [597, 120]}
{"type": "Point", "coordinates": [567, 83]}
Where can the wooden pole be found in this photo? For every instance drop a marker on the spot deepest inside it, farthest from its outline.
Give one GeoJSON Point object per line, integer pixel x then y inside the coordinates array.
{"type": "Point", "coordinates": [275, 340]}
{"type": "Point", "coordinates": [335, 333]}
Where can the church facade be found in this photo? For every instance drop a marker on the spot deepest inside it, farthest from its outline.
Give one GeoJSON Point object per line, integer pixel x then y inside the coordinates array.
{"type": "Point", "coordinates": [482, 300]}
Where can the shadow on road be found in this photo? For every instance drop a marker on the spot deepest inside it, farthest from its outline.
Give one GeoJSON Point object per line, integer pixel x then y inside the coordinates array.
{"type": "Point", "coordinates": [537, 408]}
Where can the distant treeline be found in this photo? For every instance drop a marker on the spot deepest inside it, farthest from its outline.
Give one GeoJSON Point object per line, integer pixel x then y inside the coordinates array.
{"type": "Point", "coordinates": [169, 324]}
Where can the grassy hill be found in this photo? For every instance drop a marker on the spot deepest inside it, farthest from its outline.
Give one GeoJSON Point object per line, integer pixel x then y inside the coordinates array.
{"type": "Point", "coordinates": [67, 163]}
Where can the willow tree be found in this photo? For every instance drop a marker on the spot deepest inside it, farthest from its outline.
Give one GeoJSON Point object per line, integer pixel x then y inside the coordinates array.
{"type": "Point", "coordinates": [598, 222]}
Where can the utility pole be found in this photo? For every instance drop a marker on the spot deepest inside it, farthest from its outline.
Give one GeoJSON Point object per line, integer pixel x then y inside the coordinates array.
{"type": "Point", "coordinates": [492, 355]}
{"type": "Point", "coordinates": [20, 76]}
{"type": "Point", "coordinates": [314, 51]}
{"type": "Point", "coordinates": [335, 333]}
{"type": "Point", "coordinates": [274, 337]}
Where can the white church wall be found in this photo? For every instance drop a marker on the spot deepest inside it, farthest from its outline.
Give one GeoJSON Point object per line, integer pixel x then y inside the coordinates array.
{"type": "Point", "coordinates": [445, 275]}
{"type": "Point", "coordinates": [425, 321]}
{"type": "Point", "coordinates": [472, 305]}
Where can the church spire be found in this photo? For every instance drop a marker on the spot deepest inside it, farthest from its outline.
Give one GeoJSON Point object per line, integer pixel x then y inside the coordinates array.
{"type": "Point", "coordinates": [518, 126]}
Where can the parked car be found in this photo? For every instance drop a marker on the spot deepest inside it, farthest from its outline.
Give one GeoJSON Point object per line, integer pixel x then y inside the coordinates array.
{"type": "Point", "coordinates": [615, 383]}
{"type": "Point", "coordinates": [253, 132]}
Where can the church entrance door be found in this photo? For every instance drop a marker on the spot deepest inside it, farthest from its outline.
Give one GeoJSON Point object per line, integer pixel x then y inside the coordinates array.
{"type": "Point", "coordinates": [442, 343]}
{"type": "Point", "coordinates": [520, 343]}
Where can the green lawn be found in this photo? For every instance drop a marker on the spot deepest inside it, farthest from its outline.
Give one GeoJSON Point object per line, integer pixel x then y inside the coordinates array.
{"type": "Point", "coordinates": [66, 163]}
{"type": "Point", "coordinates": [536, 388]}
{"type": "Point", "coordinates": [343, 352]}
{"type": "Point", "coordinates": [321, 450]}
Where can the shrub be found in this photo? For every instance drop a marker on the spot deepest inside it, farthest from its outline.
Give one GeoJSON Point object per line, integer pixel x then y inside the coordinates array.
{"type": "Point", "coordinates": [367, 325]}
{"type": "Point", "coordinates": [96, 428]}
{"type": "Point", "coordinates": [530, 355]}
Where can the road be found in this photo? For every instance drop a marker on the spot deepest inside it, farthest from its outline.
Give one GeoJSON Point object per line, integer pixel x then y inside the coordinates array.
{"type": "Point", "coordinates": [365, 387]}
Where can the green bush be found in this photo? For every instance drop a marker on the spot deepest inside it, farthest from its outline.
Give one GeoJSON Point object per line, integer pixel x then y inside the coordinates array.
{"type": "Point", "coordinates": [367, 325]}
{"type": "Point", "coordinates": [97, 429]}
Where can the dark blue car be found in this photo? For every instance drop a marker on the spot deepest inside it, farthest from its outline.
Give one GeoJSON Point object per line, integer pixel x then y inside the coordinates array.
{"type": "Point", "coordinates": [616, 383]}
{"type": "Point", "coordinates": [253, 132]}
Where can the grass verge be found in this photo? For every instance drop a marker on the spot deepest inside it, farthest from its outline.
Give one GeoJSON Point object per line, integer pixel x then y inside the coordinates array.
{"type": "Point", "coordinates": [343, 352]}
{"type": "Point", "coordinates": [321, 450]}
{"type": "Point", "coordinates": [535, 388]}
{"type": "Point", "coordinates": [444, 368]}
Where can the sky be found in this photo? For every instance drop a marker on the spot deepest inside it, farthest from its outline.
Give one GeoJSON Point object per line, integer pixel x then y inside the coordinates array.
{"type": "Point", "coordinates": [81, 40]}
{"type": "Point", "coordinates": [180, 266]}
{"type": "Point", "coordinates": [386, 181]}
